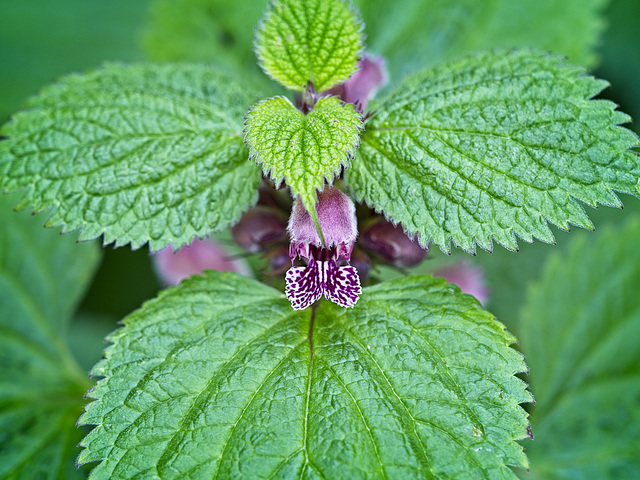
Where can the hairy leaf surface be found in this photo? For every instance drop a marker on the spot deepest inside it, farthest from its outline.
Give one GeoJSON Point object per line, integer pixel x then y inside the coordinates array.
{"type": "Point", "coordinates": [494, 146]}
{"type": "Point", "coordinates": [138, 153]}
{"type": "Point", "coordinates": [215, 379]}
{"type": "Point", "coordinates": [581, 337]}
{"type": "Point", "coordinates": [303, 150]}
{"type": "Point", "coordinates": [42, 277]}
{"type": "Point", "coordinates": [309, 40]}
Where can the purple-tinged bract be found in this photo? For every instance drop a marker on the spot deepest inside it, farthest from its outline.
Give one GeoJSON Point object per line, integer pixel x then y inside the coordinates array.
{"type": "Point", "coordinates": [363, 84]}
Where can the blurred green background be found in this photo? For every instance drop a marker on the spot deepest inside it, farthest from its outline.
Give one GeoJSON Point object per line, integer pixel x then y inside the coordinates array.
{"type": "Point", "coordinates": [41, 40]}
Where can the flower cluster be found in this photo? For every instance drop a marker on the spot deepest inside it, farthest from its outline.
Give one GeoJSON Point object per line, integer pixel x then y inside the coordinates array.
{"type": "Point", "coordinates": [316, 268]}
{"type": "Point", "coordinates": [323, 273]}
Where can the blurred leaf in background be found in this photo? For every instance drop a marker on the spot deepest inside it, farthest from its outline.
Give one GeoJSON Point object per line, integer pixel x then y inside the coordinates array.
{"type": "Point", "coordinates": [205, 31]}
{"type": "Point", "coordinates": [620, 57]}
{"type": "Point", "coordinates": [42, 279]}
{"type": "Point", "coordinates": [508, 274]}
{"type": "Point", "coordinates": [41, 40]}
{"type": "Point", "coordinates": [581, 338]}
{"type": "Point", "coordinates": [411, 34]}
{"type": "Point", "coordinates": [426, 33]}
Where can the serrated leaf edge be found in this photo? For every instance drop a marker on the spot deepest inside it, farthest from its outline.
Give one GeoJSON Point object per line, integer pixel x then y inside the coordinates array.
{"type": "Point", "coordinates": [620, 118]}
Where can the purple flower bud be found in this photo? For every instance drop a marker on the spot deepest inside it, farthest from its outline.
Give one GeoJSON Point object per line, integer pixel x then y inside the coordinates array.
{"type": "Point", "coordinates": [259, 227]}
{"type": "Point", "coordinates": [469, 278]}
{"type": "Point", "coordinates": [363, 84]}
{"type": "Point", "coordinates": [391, 244]}
{"type": "Point", "coordinates": [193, 259]}
{"type": "Point", "coordinates": [337, 219]}
{"type": "Point", "coordinates": [279, 260]}
{"type": "Point", "coordinates": [323, 275]}
{"type": "Point", "coordinates": [362, 263]}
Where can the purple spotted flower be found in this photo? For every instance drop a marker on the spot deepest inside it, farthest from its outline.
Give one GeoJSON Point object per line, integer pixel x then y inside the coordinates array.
{"type": "Point", "coordinates": [325, 272]}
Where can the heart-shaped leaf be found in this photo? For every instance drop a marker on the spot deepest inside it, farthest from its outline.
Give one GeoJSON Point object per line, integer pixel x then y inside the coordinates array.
{"type": "Point", "coordinates": [303, 150]}
{"type": "Point", "coordinates": [217, 378]}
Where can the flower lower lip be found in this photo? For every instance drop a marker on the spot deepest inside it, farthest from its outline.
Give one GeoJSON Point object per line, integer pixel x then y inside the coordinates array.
{"type": "Point", "coordinates": [306, 285]}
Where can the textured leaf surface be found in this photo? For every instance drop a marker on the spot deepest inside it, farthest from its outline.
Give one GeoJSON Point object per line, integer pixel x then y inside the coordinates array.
{"type": "Point", "coordinates": [42, 277]}
{"type": "Point", "coordinates": [309, 40]}
{"type": "Point", "coordinates": [214, 379]}
{"type": "Point", "coordinates": [416, 34]}
{"type": "Point", "coordinates": [138, 153]}
{"type": "Point", "coordinates": [301, 149]}
{"type": "Point", "coordinates": [494, 146]}
{"type": "Point", "coordinates": [581, 337]}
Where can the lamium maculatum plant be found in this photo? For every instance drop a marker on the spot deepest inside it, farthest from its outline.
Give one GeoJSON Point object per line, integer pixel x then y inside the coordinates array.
{"type": "Point", "coordinates": [317, 369]}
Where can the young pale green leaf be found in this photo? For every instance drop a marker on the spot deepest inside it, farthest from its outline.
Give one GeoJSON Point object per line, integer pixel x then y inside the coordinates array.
{"type": "Point", "coordinates": [413, 35]}
{"type": "Point", "coordinates": [138, 153]}
{"type": "Point", "coordinates": [303, 150]}
{"type": "Point", "coordinates": [494, 146]}
{"type": "Point", "coordinates": [299, 41]}
{"type": "Point", "coordinates": [216, 379]}
{"type": "Point", "coordinates": [581, 337]}
{"type": "Point", "coordinates": [42, 278]}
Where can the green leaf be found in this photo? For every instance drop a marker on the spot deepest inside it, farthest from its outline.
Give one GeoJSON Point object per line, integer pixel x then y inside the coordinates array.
{"type": "Point", "coordinates": [309, 40]}
{"type": "Point", "coordinates": [416, 34]}
{"type": "Point", "coordinates": [303, 150]}
{"type": "Point", "coordinates": [42, 278]}
{"type": "Point", "coordinates": [138, 153]}
{"type": "Point", "coordinates": [216, 379]}
{"type": "Point", "coordinates": [494, 146]}
{"type": "Point", "coordinates": [581, 336]}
